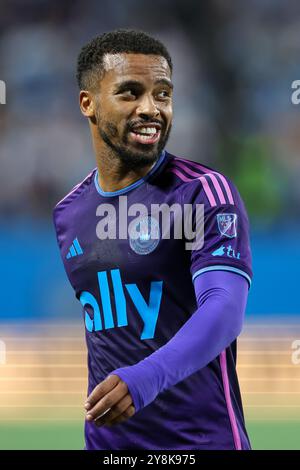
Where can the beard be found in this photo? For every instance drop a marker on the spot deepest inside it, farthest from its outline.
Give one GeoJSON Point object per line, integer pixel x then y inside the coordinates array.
{"type": "Point", "coordinates": [132, 158]}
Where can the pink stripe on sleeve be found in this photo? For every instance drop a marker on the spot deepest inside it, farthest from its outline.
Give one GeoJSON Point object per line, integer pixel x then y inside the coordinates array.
{"type": "Point", "coordinates": [207, 170]}
{"type": "Point", "coordinates": [208, 192]}
{"type": "Point", "coordinates": [227, 188]}
{"type": "Point", "coordinates": [180, 175]}
{"type": "Point", "coordinates": [235, 431]}
{"type": "Point", "coordinates": [217, 188]}
{"type": "Point", "coordinates": [212, 177]}
{"type": "Point", "coordinates": [204, 182]}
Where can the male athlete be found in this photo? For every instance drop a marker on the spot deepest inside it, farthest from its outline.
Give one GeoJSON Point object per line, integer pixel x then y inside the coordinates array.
{"type": "Point", "coordinates": [161, 319]}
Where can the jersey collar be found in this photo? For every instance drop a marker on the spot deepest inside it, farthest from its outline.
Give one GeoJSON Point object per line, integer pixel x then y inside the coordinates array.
{"type": "Point", "coordinates": [133, 185]}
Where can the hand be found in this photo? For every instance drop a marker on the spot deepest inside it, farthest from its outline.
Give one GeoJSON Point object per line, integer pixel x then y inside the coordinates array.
{"type": "Point", "coordinates": [110, 402]}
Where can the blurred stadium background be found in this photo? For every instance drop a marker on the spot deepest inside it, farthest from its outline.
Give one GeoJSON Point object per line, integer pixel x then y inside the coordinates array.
{"type": "Point", "coordinates": [234, 65]}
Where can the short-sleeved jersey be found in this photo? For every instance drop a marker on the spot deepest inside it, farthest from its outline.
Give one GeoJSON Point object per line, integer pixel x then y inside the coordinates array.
{"type": "Point", "coordinates": [136, 290]}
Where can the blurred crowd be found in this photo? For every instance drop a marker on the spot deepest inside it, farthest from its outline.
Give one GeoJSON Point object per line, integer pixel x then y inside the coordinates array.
{"type": "Point", "coordinates": [234, 63]}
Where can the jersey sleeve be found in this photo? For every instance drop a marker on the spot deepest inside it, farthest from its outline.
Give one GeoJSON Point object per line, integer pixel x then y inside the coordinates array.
{"type": "Point", "coordinates": [225, 242]}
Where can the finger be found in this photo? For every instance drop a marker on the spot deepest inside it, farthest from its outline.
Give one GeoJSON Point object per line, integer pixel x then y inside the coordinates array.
{"type": "Point", "coordinates": [108, 401]}
{"type": "Point", "coordinates": [123, 417]}
{"type": "Point", "coordinates": [101, 390]}
{"type": "Point", "coordinates": [115, 411]}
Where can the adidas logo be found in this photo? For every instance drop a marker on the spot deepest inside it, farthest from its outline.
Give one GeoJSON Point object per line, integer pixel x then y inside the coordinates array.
{"type": "Point", "coordinates": [75, 249]}
{"type": "Point", "coordinates": [226, 251]}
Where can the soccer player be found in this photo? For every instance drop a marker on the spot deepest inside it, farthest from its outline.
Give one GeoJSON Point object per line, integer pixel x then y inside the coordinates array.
{"type": "Point", "coordinates": [161, 319]}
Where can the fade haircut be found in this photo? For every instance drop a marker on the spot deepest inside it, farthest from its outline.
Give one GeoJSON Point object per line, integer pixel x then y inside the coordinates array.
{"type": "Point", "coordinates": [90, 66]}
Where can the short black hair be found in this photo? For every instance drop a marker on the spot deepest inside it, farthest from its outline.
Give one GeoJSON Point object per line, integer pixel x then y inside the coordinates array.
{"type": "Point", "coordinates": [90, 60]}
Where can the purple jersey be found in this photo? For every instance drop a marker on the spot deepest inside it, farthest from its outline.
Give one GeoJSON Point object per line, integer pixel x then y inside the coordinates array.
{"type": "Point", "coordinates": [137, 291]}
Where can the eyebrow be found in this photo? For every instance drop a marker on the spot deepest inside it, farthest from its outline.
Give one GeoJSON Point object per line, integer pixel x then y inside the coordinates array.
{"type": "Point", "coordinates": [165, 81]}
{"type": "Point", "coordinates": [135, 83]}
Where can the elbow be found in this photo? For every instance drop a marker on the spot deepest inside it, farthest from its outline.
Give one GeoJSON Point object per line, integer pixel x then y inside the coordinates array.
{"type": "Point", "coordinates": [231, 312]}
{"type": "Point", "coordinates": [234, 331]}
{"type": "Point", "coordinates": [235, 319]}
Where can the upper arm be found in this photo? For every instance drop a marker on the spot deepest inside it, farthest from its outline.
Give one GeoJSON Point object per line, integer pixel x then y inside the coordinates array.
{"type": "Point", "coordinates": [226, 241]}
{"type": "Point", "coordinates": [224, 294]}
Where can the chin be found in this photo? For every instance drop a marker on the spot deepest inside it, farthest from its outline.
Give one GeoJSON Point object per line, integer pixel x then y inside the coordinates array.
{"type": "Point", "coordinates": [138, 158]}
{"type": "Point", "coordinates": [148, 153]}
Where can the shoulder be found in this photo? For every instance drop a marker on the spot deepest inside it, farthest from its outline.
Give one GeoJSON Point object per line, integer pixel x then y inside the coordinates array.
{"type": "Point", "coordinates": [75, 192]}
{"type": "Point", "coordinates": [198, 181]}
{"type": "Point", "coordinates": [67, 206]}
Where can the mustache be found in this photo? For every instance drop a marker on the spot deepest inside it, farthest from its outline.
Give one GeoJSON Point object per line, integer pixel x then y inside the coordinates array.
{"type": "Point", "coordinates": [132, 124]}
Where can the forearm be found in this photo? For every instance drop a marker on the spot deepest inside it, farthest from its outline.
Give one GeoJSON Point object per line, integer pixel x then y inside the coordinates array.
{"type": "Point", "coordinates": [214, 325]}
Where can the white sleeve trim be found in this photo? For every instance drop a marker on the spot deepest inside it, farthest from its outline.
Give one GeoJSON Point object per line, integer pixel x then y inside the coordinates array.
{"type": "Point", "coordinates": [222, 267]}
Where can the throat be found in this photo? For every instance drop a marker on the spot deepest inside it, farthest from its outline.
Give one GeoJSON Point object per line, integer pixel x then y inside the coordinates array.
{"type": "Point", "coordinates": [114, 179]}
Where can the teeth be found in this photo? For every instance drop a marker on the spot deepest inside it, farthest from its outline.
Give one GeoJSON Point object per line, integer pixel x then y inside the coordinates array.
{"type": "Point", "coordinates": [146, 137]}
{"type": "Point", "coordinates": [147, 130]}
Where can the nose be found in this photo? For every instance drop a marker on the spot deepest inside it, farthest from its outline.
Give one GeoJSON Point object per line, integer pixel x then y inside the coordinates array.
{"type": "Point", "coordinates": [147, 107]}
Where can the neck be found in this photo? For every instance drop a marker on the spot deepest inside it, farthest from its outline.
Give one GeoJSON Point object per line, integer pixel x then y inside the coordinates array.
{"type": "Point", "coordinates": [113, 175]}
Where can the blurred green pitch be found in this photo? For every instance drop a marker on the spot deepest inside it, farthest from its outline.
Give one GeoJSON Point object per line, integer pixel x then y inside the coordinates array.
{"type": "Point", "coordinates": [268, 435]}
{"type": "Point", "coordinates": [43, 385]}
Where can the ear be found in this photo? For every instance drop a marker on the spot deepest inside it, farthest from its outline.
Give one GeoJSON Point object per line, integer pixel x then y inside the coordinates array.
{"type": "Point", "coordinates": [87, 103]}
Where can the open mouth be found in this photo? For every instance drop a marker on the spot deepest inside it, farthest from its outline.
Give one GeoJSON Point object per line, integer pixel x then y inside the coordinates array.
{"type": "Point", "coordinates": [146, 135]}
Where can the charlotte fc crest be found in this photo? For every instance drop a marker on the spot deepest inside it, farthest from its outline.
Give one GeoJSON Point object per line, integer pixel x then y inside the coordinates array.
{"type": "Point", "coordinates": [144, 235]}
{"type": "Point", "coordinates": [227, 225]}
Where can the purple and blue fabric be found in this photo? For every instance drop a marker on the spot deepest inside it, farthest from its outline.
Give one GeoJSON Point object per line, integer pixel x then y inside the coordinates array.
{"type": "Point", "coordinates": [163, 318]}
